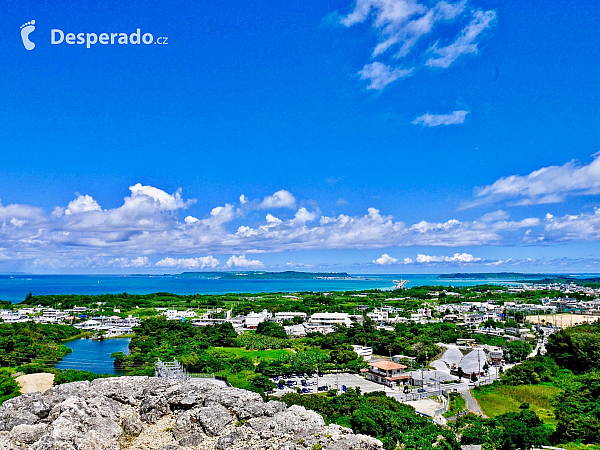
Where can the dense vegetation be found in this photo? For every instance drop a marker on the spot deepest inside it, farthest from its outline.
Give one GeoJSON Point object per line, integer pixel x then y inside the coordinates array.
{"type": "Point", "coordinates": [23, 344]}
{"type": "Point", "coordinates": [215, 349]}
{"type": "Point", "coordinates": [29, 348]}
{"type": "Point", "coordinates": [398, 426]}
{"type": "Point", "coordinates": [379, 416]}
{"type": "Point", "coordinates": [563, 388]}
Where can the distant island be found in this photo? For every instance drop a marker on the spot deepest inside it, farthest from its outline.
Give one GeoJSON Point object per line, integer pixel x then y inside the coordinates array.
{"type": "Point", "coordinates": [539, 278]}
{"type": "Point", "coordinates": [255, 275]}
{"type": "Point", "coordinates": [495, 276]}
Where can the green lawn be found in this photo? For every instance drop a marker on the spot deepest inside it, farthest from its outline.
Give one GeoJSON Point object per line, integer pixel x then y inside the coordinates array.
{"type": "Point", "coordinates": [255, 355]}
{"type": "Point", "coordinates": [499, 399]}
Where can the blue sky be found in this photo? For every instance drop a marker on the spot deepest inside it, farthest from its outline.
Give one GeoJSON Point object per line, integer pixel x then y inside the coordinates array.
{"type": "Point", "coordinates": [372, 136]}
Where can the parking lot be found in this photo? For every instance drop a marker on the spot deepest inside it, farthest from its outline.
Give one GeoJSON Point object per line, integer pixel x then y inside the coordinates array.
{"type": "Point", "coordinates": [332, 381]}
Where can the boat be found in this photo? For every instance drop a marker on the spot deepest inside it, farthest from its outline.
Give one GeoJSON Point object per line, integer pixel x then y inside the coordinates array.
{"type": "Point", "coordinates": [400, 284]}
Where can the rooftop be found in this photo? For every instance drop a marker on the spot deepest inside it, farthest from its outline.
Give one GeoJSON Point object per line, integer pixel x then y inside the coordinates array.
{"type": "Point", "coordinates": [387, 365]}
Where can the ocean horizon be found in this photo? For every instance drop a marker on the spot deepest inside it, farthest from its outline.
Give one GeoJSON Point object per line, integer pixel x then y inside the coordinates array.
{"type": "Point", "coordinates": [14, 288]}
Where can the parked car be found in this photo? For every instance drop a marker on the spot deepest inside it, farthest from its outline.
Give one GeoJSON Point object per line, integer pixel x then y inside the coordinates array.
{"type": "Point", "coordinates": [421, 390]}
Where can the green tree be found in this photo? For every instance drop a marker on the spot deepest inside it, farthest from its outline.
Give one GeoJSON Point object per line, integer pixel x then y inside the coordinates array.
{"type": "Point", "coordinates": [343, 354]}
{"type": "Point", "coordinates": [262, 384]}
{"type": "Point", "coordinates": [272, 329]}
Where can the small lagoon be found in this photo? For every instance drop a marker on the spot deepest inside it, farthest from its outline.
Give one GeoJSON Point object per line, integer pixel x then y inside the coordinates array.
{"type": "Point", "coordinates": [93, 356]}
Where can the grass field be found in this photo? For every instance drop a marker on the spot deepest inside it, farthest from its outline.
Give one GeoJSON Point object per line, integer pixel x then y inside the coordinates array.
{"type": "Point", "coordinates": [255, 355]}
{"type": "Point", "coordinates": [499, 399]}
{"type": "Point", "coordinates": [457, 404]}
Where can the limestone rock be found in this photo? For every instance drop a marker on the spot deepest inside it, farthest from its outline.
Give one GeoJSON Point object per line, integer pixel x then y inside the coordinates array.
{"type": "Point", "coordinates": [158, 414]}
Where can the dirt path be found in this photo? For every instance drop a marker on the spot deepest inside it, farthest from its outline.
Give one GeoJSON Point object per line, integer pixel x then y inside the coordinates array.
{"type": "Point", "coordinates": [472, 404]}
{"type": "Point", "coordinates": [35, 382]}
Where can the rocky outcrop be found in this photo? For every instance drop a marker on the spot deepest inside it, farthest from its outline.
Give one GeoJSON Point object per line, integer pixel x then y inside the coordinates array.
{"type": "Point", "coordinates": [154, 413]}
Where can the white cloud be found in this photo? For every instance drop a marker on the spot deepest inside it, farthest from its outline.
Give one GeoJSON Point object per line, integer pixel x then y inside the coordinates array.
{"type": "Point", "coordinates": [219, 216]}
{"type": "Point", "coordinates": [552, 184]}
{"type": "Point", "coordinates": [83, 203]}
{"type": "Point", "coordinates": [464, 43]}
{"type": "Point", "coordinates": [407, 260]}
{"type": "Point", "coordinates": [242, 262]}
{"type": "Point", "coordinates": [280, 199]}
{"type": "Point", "coordinates": [456, 258]}
{"type": "Point", "coordinates": [145, 226]}
{"type": "Point", "coordinates": [166, 202]}
{"type": "Point", "coordinates": [140, 261]}
{"type": "Point", "coordinates": [434, 120]}
{"type": "Point", "coordinates": [406, 28]}
{"type": "Point", "coordinates": [202, 262]}
{"type": "Point", "coordinates": [385, 259]}
{"type": "Point", "coordinates": [380, 75]}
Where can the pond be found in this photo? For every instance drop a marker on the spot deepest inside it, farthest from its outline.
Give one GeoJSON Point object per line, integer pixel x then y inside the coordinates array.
{"type": "Point", "coordinates": [93, 356]}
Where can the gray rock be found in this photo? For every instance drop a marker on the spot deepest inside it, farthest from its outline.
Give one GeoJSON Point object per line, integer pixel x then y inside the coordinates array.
{"type": "Point", "coordinates": [190, 440]}
{"type": "Point", "coordinates": [227, 441]}
{"type": "Point", "coordinates": [95, 416]}
{"type": "Point", "coordinates": [153, 407]}
{"type": "Point", "coordinates": [213, 419]}
{"type": "Point", "coordinates": [60, 393]}
{"type": "Point", "coordinates": [11, 417]}
{"type": "Point", "coordinates": [26, 409]}
{"type": "Point", "coordinates": [232, 398]}
{"type": "Point", "coordinates": [132, 426]}
{"type": "Point", "coordinates": [296, 420]}
{"type": "Point", "coordinates": [28, 434]}
{"type": "Point", "coordinates": [183, 397]}
{"type": "Point", "coordinates": [260, 409]}
{"type": "Point", "coordinates": [51, 443]}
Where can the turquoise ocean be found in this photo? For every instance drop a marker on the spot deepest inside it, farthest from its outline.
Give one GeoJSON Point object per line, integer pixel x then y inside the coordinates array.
{"type": "Point", "coordinates": [14, 288]}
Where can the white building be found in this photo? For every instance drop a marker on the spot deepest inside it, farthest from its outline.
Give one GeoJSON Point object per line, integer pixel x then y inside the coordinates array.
{"type": "Point", "coordinates": [365, 352]}
{"type": "Point", "coordinates": [378, 315]}
{"type": "Point", "coordinates": [253, 319]}
{"type": "Point", "coordinates": [283, 316]}
{"type": "Point", "coordinates": [173, 314]}
{"type": "Point", "coordinates": [329, 319]}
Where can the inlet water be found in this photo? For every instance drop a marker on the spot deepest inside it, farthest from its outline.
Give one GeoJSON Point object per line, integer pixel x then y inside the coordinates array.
{"type": "Point", "coordinates": [93, 356]}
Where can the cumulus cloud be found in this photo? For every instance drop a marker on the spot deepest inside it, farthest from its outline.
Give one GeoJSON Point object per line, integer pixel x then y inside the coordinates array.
{"type": "Point", "coordinates": [166, 202]}
{"type": "Point", "coordinates": [568, 228]}
{"type": "Point", "coordinates": [146, 225]}
{"type": "Point", "coordinates": [552, 184]}
{"type": "Point", "coordinates": [456, 258]}
{"type": "Point", "coordinates": [140, 261]}
{"type": "Point", "coordinates": [83, 203]}
{"type": "Point", "coordinates": [202, 262]}
{"type": "Point", "coordinates": [465, 43]}
{"type": "Point", "coordinates": [280, 199]}
{"type": "Point", "coordinates": [434, 120]}
{"type": "Point", "coordinates": [385, 260]}
{"type": "Point", "coordinates": [380, 75]}
{"type": "Point", "coordinates": [241, 262]}
{"type": "Point", "coordinates": [406, 27]}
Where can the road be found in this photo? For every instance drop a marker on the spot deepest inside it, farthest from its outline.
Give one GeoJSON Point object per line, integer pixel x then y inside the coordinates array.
{"type": "Point", "coordinates": [472, 404]}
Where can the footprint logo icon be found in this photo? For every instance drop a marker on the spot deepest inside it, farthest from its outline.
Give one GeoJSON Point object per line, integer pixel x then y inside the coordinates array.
{"type": "Point", "coordinates": [26, 30]}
